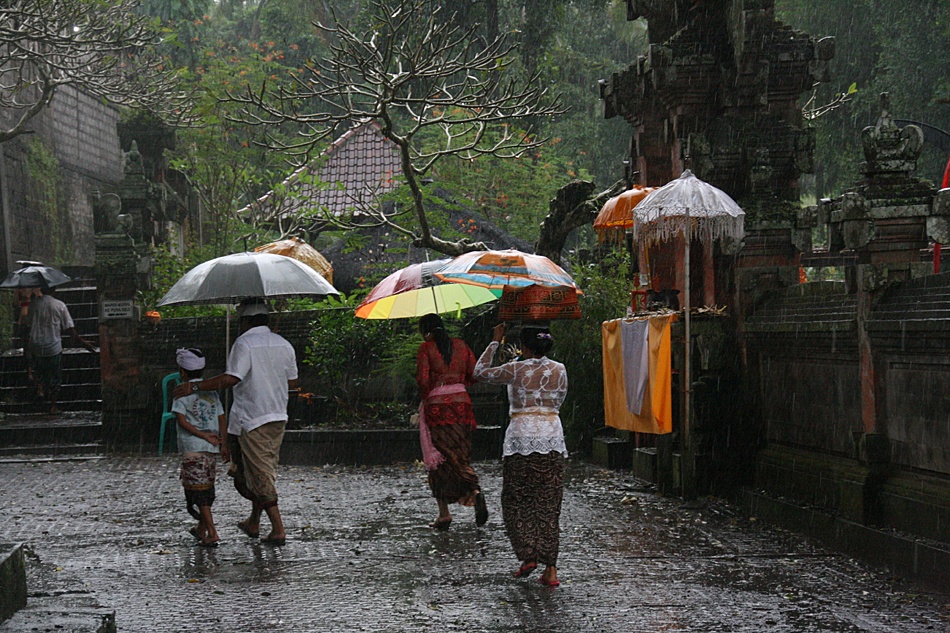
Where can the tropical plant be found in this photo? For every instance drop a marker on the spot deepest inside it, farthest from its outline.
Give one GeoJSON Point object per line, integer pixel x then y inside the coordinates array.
{"type": "Point", "coordinates": [578, 344]}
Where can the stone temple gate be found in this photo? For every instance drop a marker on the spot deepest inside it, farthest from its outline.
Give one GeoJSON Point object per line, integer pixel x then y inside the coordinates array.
{"type": "Point", "coordinates": [824, 401]}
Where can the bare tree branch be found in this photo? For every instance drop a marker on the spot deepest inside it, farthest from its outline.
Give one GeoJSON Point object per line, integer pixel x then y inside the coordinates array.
{"type": "Point", "coordinates": [418, 76]}
{"type": "Point", "coordinates": [574, 206]}
{"type": "Point", "coordinates": [103, 48]}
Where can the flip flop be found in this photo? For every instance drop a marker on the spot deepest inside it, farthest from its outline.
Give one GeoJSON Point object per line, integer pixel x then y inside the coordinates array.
{"type": "Point", "coordinates": [525, 570]}
{"type": "Point", "coordinates": [549, 583]}
{"type": "Point", "coordinates": [204, 544]}
{"type": "Point", "coordinates": [243, 527]}
{"type": "Point", "coordinates": [274, 540]}
{"type": "Point", "coordinates": [481, 509]}
{"type": "Point", "coordinates": [441, 524]}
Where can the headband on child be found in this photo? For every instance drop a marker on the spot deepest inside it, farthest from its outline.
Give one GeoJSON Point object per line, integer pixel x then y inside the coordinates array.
{"type": "Point", "coordinates": [188, 360]}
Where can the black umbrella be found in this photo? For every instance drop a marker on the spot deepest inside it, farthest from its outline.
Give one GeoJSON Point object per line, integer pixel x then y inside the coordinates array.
{"type": "Point", "coordinates": [35, 277]}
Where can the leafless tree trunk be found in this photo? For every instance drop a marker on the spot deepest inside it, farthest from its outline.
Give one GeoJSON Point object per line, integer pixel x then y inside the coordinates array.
{"type": "Point", "coordinates": [574, 206]}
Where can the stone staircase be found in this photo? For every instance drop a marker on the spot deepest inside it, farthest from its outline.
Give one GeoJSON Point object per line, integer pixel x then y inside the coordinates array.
{"type": "Point", "coordinates": [26, 428]}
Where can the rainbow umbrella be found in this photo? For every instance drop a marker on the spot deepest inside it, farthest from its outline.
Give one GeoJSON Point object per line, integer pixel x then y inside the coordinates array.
{"type": "Point", "coordinates": [414, 291]}
{"type": "Point", "coordinates": [496, 269]}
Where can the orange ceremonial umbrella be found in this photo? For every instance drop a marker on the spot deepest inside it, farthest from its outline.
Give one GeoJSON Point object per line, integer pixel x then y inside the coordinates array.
{"type": "Point", "coordinates": [296, 248]}
{"type": "Point", "coordinates": [616, 216]}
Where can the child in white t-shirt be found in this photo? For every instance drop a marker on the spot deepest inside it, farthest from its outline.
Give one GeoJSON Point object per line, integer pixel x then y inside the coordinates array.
{"type": "Point", "coordinates": [202, 430]}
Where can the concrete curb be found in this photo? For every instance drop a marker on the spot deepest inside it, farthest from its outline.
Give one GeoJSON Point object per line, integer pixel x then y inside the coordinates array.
{"type": "Point", "coordinates": [12, 580]}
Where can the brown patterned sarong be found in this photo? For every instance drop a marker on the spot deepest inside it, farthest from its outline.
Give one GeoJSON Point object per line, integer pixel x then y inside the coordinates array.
{"type": "Point", "coordinates": [260, 453]}
{"type": "Point", "coordinates": [532, 489]}
{"type": "Point", "coordinates": [454, 481]}
{"type": "Point", "coordinates": [197, 478]}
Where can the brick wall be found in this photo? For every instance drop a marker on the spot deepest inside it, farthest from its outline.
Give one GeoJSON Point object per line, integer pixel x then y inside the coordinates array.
{"type": "Point", "coordinates": [802, 347]}
{"type": "Point", "coordinates": [81, 131]}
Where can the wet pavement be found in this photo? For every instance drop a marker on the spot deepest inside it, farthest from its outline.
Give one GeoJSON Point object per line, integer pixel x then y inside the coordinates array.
{"type": "Point", "coordinates": [360, 557]}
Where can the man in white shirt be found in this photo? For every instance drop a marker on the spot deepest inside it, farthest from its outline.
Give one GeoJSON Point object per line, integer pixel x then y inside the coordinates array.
{"type": "Point", "coordinates": [47, 319]}
{"type": "Point", "coordinates": [262, 367]}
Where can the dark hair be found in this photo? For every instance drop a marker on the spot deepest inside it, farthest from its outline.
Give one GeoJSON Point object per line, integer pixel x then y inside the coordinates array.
{"type": "Point", "coordinates": [432, 324]}
{"type": "Point", "coordinates": [256, 320]}
{"type": "Point", "coordinates": [537, 338]}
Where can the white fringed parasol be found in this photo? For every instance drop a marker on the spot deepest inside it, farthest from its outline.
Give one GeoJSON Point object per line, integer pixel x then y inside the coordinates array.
{"type": "Point", "coordinates": [692, 208]}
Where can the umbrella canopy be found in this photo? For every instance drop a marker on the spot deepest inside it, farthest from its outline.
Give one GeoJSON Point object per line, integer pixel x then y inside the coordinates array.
{"type": "Point", "coordinates": [496, 269]}
{"type": "Point", "coordinates": [35, 277]}
{"type": "Point", "coordinates": [538, 303]}
{"type": "Point", "coordinates": [616, 216]}
{"type": "Point", "coordinates": [301, 251]}
{"type": "Point", "coordinates": [231, 278]}
{"type": "Point", "coordinates": [687, 206]}
{"type": "Point", "coordinates": [414, 291]}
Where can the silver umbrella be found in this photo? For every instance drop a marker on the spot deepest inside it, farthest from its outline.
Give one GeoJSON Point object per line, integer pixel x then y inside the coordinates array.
{"type": "Point", "coordinates": [35, 276]}
{"type": "Point", "coordinates": [228, 279]}
{"type": "Point", "coordinates": [692, 208]}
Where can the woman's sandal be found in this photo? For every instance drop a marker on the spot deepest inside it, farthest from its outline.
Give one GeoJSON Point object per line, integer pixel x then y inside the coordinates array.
{"type": "Point", "coordinates": [526, 570]}
{"type": "Point", "coordinates": [441, 524]}
{"type": "Point", "coordinates": [549, 583]}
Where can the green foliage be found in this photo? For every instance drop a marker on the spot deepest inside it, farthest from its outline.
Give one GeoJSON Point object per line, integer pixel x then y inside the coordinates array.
{"type": "Point", "coordinates": [880, 46]}
{"type": "Point", "coordinates": [513, 193]}
{"type": "Point", "coordinates": [345, 351]}
{"type": "Point", "coordinates": [578, 344]}
{"type": "Point", "coordinates": [167, 268]}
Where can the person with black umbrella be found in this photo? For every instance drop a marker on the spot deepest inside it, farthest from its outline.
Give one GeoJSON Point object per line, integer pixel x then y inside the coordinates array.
{"type": "Point", "coordinates": [46, 320]}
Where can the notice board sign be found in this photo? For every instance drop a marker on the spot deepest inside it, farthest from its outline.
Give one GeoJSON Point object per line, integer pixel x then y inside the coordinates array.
{"type": "Point", "coordinates": [117, 309]}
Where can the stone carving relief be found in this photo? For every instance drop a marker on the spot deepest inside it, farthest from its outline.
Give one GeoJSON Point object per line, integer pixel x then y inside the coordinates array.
{"type": "Point", "coordinates": [888, 148]}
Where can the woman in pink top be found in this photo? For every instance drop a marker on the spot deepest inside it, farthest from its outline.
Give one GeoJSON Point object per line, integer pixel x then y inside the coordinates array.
{"type": "Point", "coordinates": [446, 421]}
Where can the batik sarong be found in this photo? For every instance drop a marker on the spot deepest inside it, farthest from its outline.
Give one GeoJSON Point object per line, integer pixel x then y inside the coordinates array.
{"type": "Point", "coordinates": [532, 490]}
{"type": "Point", "coordinates": [197, 478]}
{"type": "Point", "coordinates": [454, 480]}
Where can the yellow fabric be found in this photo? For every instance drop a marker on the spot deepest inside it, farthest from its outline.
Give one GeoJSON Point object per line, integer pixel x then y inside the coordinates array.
{"type": "Point", "coordinates": [658, 399]}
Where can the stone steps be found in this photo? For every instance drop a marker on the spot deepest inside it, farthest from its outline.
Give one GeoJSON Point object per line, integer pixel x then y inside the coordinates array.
{"type": "Point", "coordinates": [67, 434]}
{"type": "Point", "coordinates": [82, 390]}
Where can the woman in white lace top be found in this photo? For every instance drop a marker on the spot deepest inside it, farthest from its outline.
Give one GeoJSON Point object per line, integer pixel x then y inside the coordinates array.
{"type": "Point", "coordinates": [534, 450]}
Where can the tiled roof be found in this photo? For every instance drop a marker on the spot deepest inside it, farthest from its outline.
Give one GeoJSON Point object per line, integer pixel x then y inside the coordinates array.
{"type": "Point", "coordinates": [357, 168]}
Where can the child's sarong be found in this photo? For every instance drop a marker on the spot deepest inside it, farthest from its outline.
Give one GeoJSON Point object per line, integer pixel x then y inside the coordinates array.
{"type": "Point", "coordinates": [197, 478]}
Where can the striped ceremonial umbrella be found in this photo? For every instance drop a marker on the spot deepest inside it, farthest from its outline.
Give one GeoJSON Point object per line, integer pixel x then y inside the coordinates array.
{"type": "Point", "coordinates": [496, 269]}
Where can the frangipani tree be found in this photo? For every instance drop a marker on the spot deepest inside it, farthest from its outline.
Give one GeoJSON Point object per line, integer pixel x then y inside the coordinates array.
{"type": "Point", "coordinates": [417, 75]}
{"type": "Point", "coordinates": [106, 49]}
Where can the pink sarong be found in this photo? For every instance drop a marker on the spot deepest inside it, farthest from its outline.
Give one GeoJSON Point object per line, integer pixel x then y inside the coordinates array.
{"type": "Point", "coordinates": [431, 456]}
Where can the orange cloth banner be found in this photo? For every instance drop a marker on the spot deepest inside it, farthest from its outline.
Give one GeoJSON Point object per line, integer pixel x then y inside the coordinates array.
{"type": "Point", "coordinates": [657, 411]}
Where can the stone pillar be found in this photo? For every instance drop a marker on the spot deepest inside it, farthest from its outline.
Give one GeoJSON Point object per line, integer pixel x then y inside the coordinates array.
{"type": "Point", "coordinates": [123, 268]}
{"type": "Point", "coordinates": [886, 221]}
